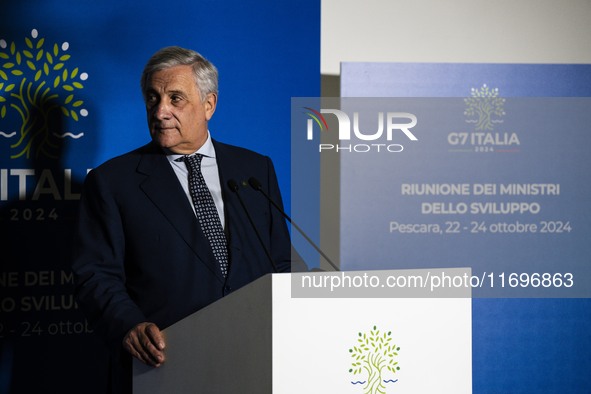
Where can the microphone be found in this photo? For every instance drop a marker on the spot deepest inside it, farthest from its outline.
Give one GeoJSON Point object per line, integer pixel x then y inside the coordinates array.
{"type": "Point", "coordinates": [233, 185]}
{"type": "Point", "coordinates": [256, 185]}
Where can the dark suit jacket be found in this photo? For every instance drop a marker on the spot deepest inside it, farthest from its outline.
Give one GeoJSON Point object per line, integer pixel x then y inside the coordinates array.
{"type": "Point", "coordinates": [141, 255]}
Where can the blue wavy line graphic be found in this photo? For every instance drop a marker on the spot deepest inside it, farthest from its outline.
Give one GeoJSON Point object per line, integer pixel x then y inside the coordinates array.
{"type": "Point", "coordinates": [358, 382]}
{"type": "Point", "coordinates": [5, 135]}
{"type": "Point", "coordinates": [390, 381]}
{"type": "Point", "coordinates": [75, 136]}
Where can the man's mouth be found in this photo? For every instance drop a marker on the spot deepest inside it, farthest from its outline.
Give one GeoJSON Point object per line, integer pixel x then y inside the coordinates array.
{"type": "Point", "coordinates": [163, 129]}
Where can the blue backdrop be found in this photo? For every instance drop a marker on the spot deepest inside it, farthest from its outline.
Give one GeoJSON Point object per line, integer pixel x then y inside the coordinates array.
{"type": "Point", "coordinates": [70, 99]}
{"type": "Point", "coordinates": [519, 345]}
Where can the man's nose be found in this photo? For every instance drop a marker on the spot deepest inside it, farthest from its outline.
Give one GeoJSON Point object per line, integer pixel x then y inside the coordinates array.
{"type": "Point", "coordinates": [162, 110]}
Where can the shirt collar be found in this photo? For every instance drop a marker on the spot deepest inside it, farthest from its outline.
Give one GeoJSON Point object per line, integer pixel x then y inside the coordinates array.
{"type": "Point", "coordinates": [206, 150]}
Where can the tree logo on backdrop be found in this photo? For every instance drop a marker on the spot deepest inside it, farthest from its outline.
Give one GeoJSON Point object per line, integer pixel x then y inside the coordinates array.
{"type": "Point", "coordinates": [374, 364]}
{"type": "Point", "coordinates": [485, 110]}
{"type": "Point", "coordinates": [38, 84]}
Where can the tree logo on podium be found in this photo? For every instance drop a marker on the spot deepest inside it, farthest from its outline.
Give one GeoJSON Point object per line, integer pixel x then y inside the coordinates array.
{"type": "Point", "coordinates": [374, 364]}
{"type": "Point", "coordinates": [38, 86]}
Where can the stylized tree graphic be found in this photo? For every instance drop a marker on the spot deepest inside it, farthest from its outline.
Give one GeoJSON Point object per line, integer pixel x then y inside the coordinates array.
{"type": "Point", "coordinates": [484, 103]}
{"type": "Point", "coordinates": [36, 83]}
{"type": "Point", "coordinates": [373, 354]}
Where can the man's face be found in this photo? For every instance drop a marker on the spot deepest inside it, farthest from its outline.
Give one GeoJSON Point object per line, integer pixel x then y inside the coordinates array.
{"type": "Point", "coordinates": [177, 117]}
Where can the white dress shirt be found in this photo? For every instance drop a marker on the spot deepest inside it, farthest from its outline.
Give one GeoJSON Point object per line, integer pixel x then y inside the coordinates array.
{"type": "Point", "coordinates": [209, 169]}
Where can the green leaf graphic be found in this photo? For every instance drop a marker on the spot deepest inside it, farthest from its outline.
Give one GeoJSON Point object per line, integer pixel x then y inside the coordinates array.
{"type": "Point", "coordinates": [33, 85]}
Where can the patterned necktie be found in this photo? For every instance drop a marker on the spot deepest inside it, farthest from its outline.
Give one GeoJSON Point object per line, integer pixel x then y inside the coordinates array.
{"type": "Point", "coordinates": [206, 212]}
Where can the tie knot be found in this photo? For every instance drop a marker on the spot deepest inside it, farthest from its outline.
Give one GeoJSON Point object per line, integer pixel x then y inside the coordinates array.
{"type": "Point", "coordinates": [192, 162]}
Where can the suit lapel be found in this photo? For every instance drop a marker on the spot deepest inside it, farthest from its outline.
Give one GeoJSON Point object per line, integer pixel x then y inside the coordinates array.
{"type": "Point", "coordinates": [163, 189]}
{"type": "Point", "coordinates": [231, 204]}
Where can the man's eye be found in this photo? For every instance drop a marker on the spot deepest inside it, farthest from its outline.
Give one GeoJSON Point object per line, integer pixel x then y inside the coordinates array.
{"type": "Point", "coordinates": [175, 99]}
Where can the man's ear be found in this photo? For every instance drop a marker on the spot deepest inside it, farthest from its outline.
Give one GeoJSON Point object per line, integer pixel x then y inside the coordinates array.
{"type": "Point", "coordinates": [209, 104]}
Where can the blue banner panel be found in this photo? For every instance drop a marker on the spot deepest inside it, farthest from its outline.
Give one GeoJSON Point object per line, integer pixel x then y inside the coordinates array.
{"type": "Point", "coordinates": [496, 154]}
{"type": "Point", "coordinates": [424, 178]}
{"type": "Point", "coordinates": [70, 99]}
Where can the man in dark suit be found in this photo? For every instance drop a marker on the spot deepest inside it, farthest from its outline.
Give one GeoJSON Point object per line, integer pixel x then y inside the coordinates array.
{"type": "Point", "coordinates": [145, 257]}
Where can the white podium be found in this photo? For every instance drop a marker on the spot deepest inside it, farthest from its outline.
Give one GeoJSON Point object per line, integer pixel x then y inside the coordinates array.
{"type": "Point", "coordinates": [262, 340]}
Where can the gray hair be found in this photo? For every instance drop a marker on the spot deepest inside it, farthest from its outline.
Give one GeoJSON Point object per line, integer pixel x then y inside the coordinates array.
{"type": "Point", "coordinates": [206, 75]}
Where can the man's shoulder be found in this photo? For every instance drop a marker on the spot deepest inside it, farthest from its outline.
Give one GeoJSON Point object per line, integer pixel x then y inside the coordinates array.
{"type": "Point", "coordinates": [224, 151]}
{"type": "Point", "coordinates": [129, 159]}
